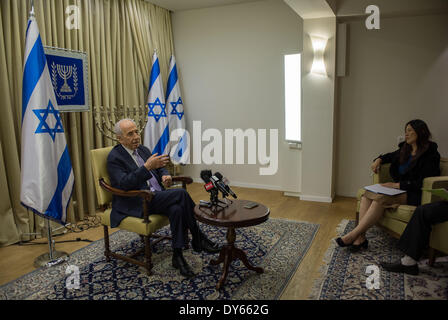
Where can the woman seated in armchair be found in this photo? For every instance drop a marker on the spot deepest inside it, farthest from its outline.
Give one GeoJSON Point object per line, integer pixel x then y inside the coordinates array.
{"type": "Point", "coordinates": [416, 158]}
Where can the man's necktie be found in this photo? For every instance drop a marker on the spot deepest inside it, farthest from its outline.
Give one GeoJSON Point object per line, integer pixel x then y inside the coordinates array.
{"type": "Point", "coordinates": [153, 183]}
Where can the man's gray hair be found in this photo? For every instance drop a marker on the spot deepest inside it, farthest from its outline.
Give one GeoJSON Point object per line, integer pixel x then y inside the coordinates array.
{"type": "Point", "coordinates": [117, 128]}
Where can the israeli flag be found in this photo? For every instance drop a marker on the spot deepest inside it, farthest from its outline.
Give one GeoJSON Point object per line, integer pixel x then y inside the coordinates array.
{"type": "Point", "coordinates": [157, 134]}
{"type": "Point", "coordinates": [46, 170]}
{"type": "Point", "coordinates": [176, 115]}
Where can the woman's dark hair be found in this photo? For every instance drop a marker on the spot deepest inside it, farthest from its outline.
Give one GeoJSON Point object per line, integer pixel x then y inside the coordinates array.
{"type": "Point", "coordinates": [423, 136]}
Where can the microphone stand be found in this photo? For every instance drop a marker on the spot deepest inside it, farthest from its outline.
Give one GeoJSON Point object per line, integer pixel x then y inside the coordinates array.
{"type": "Point", "coordinates": [223, 202]}
{"type": "Point", "coordinates": [227, 199]}
{"type": "Point", "coordinates": [216, 204]}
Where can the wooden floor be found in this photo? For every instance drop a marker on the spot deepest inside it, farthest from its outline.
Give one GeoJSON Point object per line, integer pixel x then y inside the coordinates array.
{"type": "Point", "coordinates": [16, 260]}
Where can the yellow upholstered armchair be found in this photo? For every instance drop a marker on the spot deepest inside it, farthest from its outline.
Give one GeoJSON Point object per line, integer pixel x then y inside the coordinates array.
{"type": "Point", "coordinates": [145, 226]}
{"type": "Point", "coordinates": [395, 220]}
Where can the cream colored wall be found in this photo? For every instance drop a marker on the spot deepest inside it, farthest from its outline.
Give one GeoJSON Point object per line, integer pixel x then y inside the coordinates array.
{"type": "Point", "coordinates": [230, 62]}
{"type": "Point", "coordinates": [318, 114]}
{"type": "Point", "coordinates": [395, 74]}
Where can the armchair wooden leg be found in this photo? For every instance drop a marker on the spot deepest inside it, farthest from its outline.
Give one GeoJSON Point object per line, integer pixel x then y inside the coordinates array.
{"type": "Point", "coordinates": [432, 257]}
{"type": "Point", "coordinates": [148, 255]}
{"type": "Point", "coordinates": [106, 243]}
{"type": "Point", "coordinates": [147, 263]}
{"type": "Point", "coordinates": [159, 238]}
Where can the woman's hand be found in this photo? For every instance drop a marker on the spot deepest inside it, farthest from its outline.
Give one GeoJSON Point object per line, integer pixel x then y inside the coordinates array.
{"type": "Point", "coordinates": [394, 185]}
{"type": "Point", "coordinates": [376, 165]}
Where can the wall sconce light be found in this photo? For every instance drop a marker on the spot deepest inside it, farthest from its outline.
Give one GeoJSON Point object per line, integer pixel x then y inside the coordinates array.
{"type": "Point", "coordinates": [319, 44]}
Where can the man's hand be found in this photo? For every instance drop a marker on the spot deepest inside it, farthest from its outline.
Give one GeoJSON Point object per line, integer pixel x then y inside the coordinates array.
{"type": "Point", "coordinates": [156, 162]}
{"type": "Point", "coordinates": [167, 181]}
{"type": "Point", "coordinates": [395, 185]}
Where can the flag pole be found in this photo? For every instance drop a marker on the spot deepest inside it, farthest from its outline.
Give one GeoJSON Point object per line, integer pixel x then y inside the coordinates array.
{"type": "Point", "coordinates": [50, 240]}
{"type": "Point", "coordinates": [53, 257]}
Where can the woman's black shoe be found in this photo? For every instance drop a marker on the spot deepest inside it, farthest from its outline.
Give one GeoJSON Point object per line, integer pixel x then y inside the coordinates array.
{"type": "Point", "coordinates": [357, 247]}
{"type": "Point", "coordinates": [342, 243]}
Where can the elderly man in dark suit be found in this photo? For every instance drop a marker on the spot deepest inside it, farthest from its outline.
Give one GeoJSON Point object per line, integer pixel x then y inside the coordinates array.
{"type": "Point", "coordinates": [131, 166]}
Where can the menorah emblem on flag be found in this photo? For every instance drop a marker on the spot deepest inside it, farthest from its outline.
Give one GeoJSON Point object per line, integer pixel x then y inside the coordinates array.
{"type": "Point", "coordinates": [65, 72]}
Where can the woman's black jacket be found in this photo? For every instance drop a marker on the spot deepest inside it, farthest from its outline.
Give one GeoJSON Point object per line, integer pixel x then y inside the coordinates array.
{"type": "Point", "coordinates": [427, 164]}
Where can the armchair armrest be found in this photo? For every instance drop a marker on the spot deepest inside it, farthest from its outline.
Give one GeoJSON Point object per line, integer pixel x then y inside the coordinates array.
{"type": "Point", "coordinates": [376, 178]}
{"type": "Point", "coordinates": [383, 174]}
{"type": "Point", "coordinates": [145, 194]}
{"type": "Point", "coordinates": [433, 183]}
{"type": "Point", "coordinates": [185, 180]}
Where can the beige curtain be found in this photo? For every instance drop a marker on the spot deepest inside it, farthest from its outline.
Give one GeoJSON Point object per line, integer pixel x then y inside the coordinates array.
{"type": "Point", "coordinates": [119, 37]}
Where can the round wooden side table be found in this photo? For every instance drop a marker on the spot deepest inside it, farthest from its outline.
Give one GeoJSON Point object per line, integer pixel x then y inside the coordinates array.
{"type": "Point", "coordinates": [232, 217]}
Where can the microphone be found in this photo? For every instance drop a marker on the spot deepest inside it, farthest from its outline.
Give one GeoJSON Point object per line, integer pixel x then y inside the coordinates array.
{"type": "Point", "coordinates": [206, 175]}
{"type": "Point", "coordinates": [225, 182]}
{"type": "Point", "coordinates": [209, 186]}
{"type": "Point", "coordinates": [220, 186]}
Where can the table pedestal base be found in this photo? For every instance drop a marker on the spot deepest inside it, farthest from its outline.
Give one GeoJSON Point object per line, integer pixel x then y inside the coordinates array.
{"type": "Point", "coordinates": [229, 253]}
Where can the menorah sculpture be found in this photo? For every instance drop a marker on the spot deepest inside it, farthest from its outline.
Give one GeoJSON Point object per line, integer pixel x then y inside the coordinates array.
{"type": "Point", "coordinates": [106, 117]}
{"type": "Point", "coordinates": [65, 72]}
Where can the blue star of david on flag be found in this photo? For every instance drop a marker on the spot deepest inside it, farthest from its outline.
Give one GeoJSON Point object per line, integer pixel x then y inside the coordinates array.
{"type": "Point", "coordinates": [175, 111]}
{"type": "Point", "coordinates": [43, 127]}
{"type": "Point", "coordinates": [151, 112]}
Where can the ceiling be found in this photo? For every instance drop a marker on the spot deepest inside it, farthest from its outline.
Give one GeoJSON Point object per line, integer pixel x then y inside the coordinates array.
{"type": "Point", "coordinates": [180, 5]}
{"type": "Point", "coordinates": [343, 9]}
{"type": "Point", "coordinates": [388, 8]}
{"type": "Point", "coordinates": [311, 9]}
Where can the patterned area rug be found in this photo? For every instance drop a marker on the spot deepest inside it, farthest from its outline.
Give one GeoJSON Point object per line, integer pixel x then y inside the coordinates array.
{"type": "Point", "coordinates": [348, 276]}
{"type": "Point", "coordinates": [277, 245]}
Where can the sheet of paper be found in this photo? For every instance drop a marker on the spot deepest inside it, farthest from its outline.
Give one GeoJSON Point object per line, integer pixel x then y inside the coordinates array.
{"type": "Point", "coordinates": [377, 188]}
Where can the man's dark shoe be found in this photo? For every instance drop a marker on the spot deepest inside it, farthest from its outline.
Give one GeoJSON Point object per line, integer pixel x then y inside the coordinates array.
{"type": "Point", "coordinates": [398, 267]}
{"type": "Point", "coordinates": [204, 244]}
{"type": "Point", "coordinates": [180, 263]}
